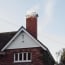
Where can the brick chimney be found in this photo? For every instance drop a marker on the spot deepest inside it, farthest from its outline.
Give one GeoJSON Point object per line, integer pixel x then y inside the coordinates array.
{"type": "Point", "coordinates": [31, 23]}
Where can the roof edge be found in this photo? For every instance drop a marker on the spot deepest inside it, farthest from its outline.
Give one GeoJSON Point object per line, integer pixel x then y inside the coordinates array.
{"type": "Point", "coordinates": [23, 29]}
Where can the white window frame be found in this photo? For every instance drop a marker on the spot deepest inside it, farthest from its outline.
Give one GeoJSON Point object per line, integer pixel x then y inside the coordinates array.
{"type": "Point", "coordinates": [23, 57]}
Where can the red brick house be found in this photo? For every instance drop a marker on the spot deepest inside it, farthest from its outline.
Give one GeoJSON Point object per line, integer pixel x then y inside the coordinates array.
{"type": "Point", "coordinates": [22, 47]}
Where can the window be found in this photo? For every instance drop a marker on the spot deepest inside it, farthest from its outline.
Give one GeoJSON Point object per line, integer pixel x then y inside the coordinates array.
{"type": "Point", "coordinates": [29, 56]}
{"type": "Point", "coordinates": [22, 57]}
{"type": "Point", "coordinates": [16, 56]}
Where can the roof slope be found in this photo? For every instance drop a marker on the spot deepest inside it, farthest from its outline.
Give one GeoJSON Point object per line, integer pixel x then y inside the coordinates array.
{"type": "Point", "coordinates": [5, 38]}
{"type": "Point", "coordinates": [22, 29]}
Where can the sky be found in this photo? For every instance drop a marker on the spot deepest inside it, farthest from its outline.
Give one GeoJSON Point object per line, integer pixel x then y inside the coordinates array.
{"type": "Point", "coordinates": [51, 20]}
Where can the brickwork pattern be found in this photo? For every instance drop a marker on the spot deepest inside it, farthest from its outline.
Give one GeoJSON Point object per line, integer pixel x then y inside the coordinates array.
{"type": "Point", "coordinates": [8, 58]}
{"type": "Point", "coordinates": [31, 26]}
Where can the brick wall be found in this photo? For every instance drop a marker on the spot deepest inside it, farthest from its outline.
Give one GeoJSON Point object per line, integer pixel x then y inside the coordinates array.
{"type": "Point", "coordinates": [31, 26]}
{"type": "Point", "coordinates": [8, 58]}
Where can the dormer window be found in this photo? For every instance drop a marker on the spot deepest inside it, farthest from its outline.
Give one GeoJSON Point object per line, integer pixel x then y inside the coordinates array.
{"type": "Point", "coordinates": [22, 57]}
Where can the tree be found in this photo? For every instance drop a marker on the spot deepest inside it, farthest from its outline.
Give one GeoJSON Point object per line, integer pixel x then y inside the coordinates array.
{"type": "Point", "coordinates": [58, 55]}
{"type": "Point", "coordinates": [62, 59]}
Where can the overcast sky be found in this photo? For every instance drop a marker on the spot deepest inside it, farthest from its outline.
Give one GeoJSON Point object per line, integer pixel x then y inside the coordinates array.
{"type": "Point", "coordinates": [51, 20]}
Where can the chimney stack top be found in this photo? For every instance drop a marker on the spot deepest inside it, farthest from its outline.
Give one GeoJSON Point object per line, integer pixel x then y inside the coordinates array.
{"type": "Point", "coordinates": [31, 14]}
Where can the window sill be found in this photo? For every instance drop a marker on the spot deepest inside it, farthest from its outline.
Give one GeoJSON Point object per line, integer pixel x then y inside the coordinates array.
{"type": "Point", "coordinates": [22, 61]}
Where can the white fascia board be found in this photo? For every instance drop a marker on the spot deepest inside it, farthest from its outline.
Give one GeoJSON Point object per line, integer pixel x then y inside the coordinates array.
{"type": "Point", "coordinates": [41, 45]}
{"type": "Point", "coordinates": [12, 39]}
{"type": "Point", "coordinates": [22, 29]}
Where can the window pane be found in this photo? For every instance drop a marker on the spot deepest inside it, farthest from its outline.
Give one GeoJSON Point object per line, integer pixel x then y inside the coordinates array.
{"type": "Point", "coordinates": [20, 56]}
{"type": "Point", "coordinates": [29, 56]}
{"type": "Point", "coordinates": [24, 56]}
{"type": "Point", "coordinates": [16, 57]}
